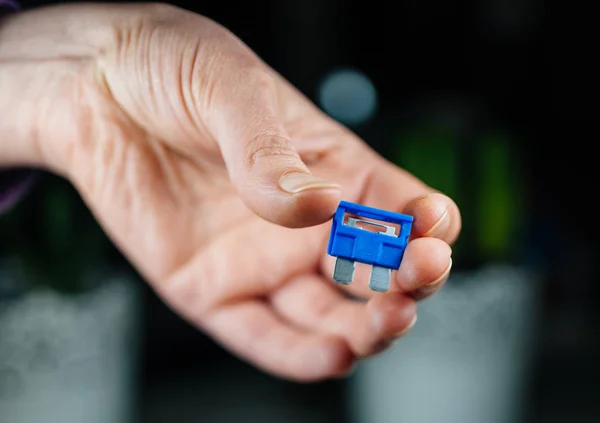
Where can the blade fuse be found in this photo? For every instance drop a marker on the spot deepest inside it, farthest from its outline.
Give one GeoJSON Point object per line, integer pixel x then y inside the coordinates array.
{"type": "Point", "coordinates": [382, 245]}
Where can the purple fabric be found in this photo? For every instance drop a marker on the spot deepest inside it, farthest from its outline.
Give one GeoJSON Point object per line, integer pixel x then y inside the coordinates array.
{"type": "Point", "coordinates": [13, 183]}
{"type": "Point", "coordinates": [8, 4]}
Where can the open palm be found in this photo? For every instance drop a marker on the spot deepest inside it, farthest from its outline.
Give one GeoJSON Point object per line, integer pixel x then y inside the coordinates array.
{"type": "Point", "coordinates": [211, 173]}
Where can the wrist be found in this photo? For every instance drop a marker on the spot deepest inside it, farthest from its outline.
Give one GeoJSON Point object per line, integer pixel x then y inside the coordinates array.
{"type": "Point", "coordinates": [36, 63]}
{"type": "Point", "coordinates": [50, 82]}
{"type": "Point", "coordinates": [7, 8]}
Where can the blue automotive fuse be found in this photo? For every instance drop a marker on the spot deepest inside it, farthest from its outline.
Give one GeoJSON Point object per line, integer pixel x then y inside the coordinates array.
{"type": "Point", "coordinates": [358, 234]}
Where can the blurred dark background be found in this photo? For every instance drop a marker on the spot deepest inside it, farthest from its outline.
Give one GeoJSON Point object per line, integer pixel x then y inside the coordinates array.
{"type": "Point", "coordinates": [492, 102]}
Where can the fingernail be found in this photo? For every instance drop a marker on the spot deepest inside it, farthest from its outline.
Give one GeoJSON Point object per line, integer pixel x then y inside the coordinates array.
{"type": "Point", "coordinates": [441, 279]}
{"type": "Point", "coordinates": [441, 227]}
{"type": "Point", "coordinates": [349, 373]}
{"type": "Point", "coordinates": [298, 182]}
{"type": "Point", "coordinates": [406, 329]}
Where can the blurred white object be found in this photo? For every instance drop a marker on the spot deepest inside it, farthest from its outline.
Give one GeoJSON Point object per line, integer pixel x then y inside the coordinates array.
{"type": "Point", "coordinates": [69, 358]}
{"type": "Point", "coordinates": [348, 96]}
{"type": "Point", "coordinates": [466, 360]}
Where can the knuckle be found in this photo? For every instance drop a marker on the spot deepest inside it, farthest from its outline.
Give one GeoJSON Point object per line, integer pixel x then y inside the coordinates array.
{"type": "Point", "coordinates": [258, 78]}
{"type": "Point", "coordinates": [194, 288]}
{"type": "Point", "coordinates": [161, 11]}
{"type": "Point", "coordinates": [269, 144]}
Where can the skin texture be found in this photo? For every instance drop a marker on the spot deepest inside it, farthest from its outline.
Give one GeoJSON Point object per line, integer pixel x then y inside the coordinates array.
{"type": "Point", "coordinates": [178, 136]}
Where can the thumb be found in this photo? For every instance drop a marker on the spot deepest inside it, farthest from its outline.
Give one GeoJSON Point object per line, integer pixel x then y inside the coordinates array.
{"type": "Point", "coordinates": [261, 158]}
{"type": "Point", "coordinates": [225, 90]}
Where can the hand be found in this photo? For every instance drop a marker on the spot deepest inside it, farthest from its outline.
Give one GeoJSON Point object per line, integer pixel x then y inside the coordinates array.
{"type": "Point", "coordinates": [217, 180]}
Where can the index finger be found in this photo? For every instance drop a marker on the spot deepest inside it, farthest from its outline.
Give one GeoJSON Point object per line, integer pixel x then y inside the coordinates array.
{"type": "Point", "coordinates": [435, 214]}
{"type": "Point", "coordinates": [436, 225]}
